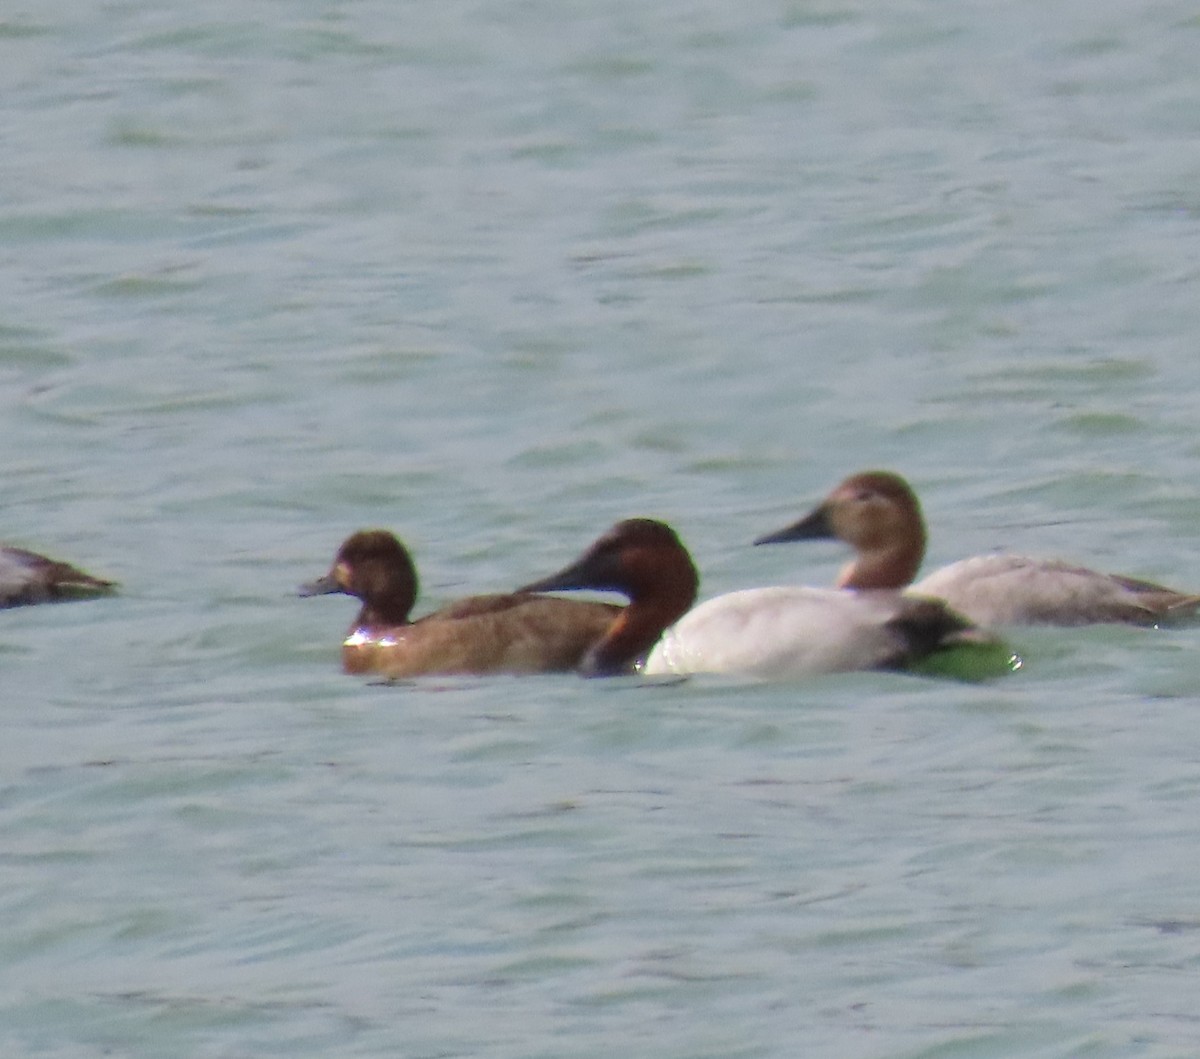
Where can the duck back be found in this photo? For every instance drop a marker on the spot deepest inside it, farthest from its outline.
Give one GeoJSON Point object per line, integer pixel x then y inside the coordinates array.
{"type": "Point", "coordinates": [513, 633]}
{"type": "Point", "coordinates": [1018, 590]}
{"type": "Point", "coordinates": [786, 632]}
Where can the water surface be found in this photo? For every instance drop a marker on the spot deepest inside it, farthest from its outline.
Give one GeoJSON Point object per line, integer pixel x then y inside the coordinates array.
{"type": "Point", "coordinates": [494, 276]}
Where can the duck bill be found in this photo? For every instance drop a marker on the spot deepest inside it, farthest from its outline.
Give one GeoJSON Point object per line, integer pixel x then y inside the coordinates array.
{"type": "Point", "coordinates": [568, 578]}
{"type": "Point", "coordinates": [813, 527]}
{"type": "Point", "coordinates": [322, 586]}
{"type": "Point", "coordinates": [585, 573]}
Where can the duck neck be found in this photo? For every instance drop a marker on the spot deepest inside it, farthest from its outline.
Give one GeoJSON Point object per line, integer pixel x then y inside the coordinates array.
{"type": "Point", "coordinates": [895, 566]}
{"type": "Point", "coordinates": [629, 638]}
{"type": "Point", "coordinates": [377, 614]}
{"type": "Point", "coordinates": [388, 593]}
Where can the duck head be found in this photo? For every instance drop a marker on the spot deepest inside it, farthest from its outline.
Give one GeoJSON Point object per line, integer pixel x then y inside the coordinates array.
{"type": "Point", "coordinates": [644, 561]}
{"type": "Point", "coordinates": [878, 515]}
{"type": "Point", "coordinates": [375, 567]}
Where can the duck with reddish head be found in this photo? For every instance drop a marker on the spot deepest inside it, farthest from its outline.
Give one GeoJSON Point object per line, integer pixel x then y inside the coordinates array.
{"type": "Point", "coordinates": [878, 515]}
{"type": "Point", "coordinates": [769, 633]}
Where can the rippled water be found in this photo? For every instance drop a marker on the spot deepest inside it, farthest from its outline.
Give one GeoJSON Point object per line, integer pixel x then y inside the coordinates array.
{"type": "Point", "coordinates": [495, 275]}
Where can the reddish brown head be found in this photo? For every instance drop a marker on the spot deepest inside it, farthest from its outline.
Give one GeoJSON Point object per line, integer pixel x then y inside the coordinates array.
{"type": "Point", "coordinates": [643, 560]}
{"type": "Point", "coordinates": [877, 514]}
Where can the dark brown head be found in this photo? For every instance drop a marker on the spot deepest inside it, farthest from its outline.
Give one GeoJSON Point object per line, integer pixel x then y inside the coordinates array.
{"type": "Point", "coordinates": [376, 568]}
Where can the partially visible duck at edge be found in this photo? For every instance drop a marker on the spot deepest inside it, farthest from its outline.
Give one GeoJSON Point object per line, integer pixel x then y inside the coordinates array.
{"type": "Point", "coordinates": [26, 577]}
{"type": "Point", "coordinates": [878, 515]}
{"type": "Point", "coordinates": [769, 633]}
{"type": "Point", "coordinates": [516, 632]}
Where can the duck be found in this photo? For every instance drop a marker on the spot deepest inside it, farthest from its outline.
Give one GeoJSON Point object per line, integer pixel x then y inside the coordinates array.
{"type": "Point", "coordinates": [520, 632]}
{"type": "Point", "coordinates": [878, 514]}
{"type": "Point", "coordinates": [767, 633]}
{"type": "Point", "coordinates": [27, 577]}
{"type": "Point", "coordinates": [513, 632]}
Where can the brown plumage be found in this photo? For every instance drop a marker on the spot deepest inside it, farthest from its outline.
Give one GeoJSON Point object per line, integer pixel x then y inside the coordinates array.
{"type": "Point", "coordinates": [507, 633]}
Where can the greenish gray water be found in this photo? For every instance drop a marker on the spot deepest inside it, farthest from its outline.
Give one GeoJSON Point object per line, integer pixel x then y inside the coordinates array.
{"type": "Point", "coordinates": [495, 275]}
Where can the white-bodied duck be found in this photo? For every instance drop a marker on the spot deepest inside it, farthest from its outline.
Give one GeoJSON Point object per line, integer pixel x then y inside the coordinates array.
{"type": "Point", "coordinates": [878, 515]}
{"type": "Point", "coordinates": [769, 633]}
